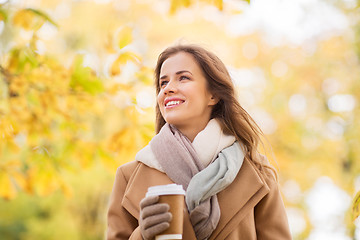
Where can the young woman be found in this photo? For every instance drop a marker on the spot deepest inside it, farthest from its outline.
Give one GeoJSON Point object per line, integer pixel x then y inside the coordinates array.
{"type": "Point", "coordinates": [208, 143]}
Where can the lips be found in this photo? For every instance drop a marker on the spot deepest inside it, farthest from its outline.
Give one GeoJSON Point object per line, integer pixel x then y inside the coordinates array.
{"type": "Point", "coordinates": [172, 102]}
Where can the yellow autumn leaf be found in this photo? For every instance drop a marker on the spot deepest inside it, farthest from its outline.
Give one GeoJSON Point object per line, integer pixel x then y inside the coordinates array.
{"type": "Point", "coordinates": [235, 11]}
{"type": "Point", "coordinates": [124, 143]}
{"type": "Point", "coordinates": [124, 37]}
{"type": "Point", "coordinates": [177, 4]}
{"type": "Point", "coordinates": [24, 18]}
{"type": "Point", "coordinates": [356, 206]}
{"type": "Point", "coordinates": [7, 189]}
{"type": "Point", "coordinates": [44, 180]}
{"type": "Point", "coordinates": [115, 88]}
{"type": "Point", "coordinates": [31, 19]}
{"type": "Point", "coordinates": [18, 86]}
{"type": "Point", "coordinates": [115, 68]}
{"type": "Point", "coordinates": [86, 154]}
{"type": "Point", "coordinates": [121, 60]}
{"type": "Point", "coordinates": [219, 4]}
{"type": "Point", "coordinates": [11, 164]}
{"type": "Point", "coordinates": [216, 3]}
{"type": "Point", "coordinates": [107, 159]}
{"type": "Point", "coordinates": [19, 179]}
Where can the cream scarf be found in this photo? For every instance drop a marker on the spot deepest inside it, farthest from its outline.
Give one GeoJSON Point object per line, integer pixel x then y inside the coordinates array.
{"type": "Point", "coordinates": [207, 144]}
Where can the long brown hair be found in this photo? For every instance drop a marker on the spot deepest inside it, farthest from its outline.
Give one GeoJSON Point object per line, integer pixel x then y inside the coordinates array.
{"type": "Point", "coordinates": [233, 118]}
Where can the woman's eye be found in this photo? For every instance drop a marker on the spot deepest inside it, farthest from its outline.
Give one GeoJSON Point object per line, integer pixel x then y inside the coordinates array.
{"type": "Point", "coordinates": [163, 83]}
{"type": "Point", "coordinates": [184, 78]}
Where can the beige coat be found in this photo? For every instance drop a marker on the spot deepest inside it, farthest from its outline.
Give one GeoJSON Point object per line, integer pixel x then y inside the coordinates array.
{"type": "Point", "coordinates": [251, 206]}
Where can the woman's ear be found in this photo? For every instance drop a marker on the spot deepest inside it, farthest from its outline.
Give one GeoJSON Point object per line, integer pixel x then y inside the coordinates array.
{"type": "Point", "coordinates": [213, 100]}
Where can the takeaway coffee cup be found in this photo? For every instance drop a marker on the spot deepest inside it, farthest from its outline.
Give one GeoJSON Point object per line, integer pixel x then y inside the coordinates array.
{"type": "Point", "coordinates": [173, 195]}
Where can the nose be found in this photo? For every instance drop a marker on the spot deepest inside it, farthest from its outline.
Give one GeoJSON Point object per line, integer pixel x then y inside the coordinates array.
{"type": "Point", "coordinates": [170, 87]}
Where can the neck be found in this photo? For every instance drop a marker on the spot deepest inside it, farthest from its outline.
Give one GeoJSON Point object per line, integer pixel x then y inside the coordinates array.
{"type": "Point", "coordinates": [191, 131]}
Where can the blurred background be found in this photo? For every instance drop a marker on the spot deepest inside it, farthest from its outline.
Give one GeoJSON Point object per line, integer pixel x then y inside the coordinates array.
{"type": "Point", "coordinates": [77, 100]}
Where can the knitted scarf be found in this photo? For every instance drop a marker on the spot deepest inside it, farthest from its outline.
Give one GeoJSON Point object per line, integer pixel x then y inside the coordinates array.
{"type": "Point", "coordinates": [181, 163]}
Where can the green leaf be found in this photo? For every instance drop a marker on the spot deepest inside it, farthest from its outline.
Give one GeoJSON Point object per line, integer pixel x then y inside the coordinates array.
{"type": "Point", "coordinates": [84, 78]}
{"type": "Point", "coordinates": [43, 15]}
{"type": "Point", "coordinates": [20, 57]}
{"type": "Point", "coordinates": [3, 15]}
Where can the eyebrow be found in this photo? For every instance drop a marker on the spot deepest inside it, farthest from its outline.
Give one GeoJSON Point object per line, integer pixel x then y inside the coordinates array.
{"type": "Point", "coordinates": [177, 73]}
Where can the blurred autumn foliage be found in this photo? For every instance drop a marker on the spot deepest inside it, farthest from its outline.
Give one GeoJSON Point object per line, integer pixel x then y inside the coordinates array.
{"type": "Point", "coordinates": [76, 105]}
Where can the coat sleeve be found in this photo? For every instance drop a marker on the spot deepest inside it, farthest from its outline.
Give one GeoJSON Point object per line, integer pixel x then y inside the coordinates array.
{"type": "Point", "coordinates": [270, 217]}
{"type": "Point", "coordinates": [121, 224]}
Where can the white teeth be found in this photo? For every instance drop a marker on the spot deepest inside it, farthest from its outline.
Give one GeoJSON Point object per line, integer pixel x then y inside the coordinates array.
{"type": "Point", "coordinates": [171, 103]}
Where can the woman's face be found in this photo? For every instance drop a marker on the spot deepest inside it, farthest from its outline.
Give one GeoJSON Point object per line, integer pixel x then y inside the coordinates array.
{"type": "Point", "coordinates": [183, 99]}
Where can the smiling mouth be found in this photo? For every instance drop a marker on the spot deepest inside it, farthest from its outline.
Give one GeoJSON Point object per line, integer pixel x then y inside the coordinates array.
{"type": "Point", "coordinates": [173, 103]}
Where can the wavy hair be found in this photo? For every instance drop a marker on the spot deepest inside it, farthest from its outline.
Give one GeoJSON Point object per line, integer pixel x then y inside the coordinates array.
{"type": "Point", "coordinates": [233, 118]}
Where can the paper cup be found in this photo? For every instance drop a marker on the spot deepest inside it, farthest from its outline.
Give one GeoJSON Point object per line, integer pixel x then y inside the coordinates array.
{"type": "Point", "coordinates": [173, 195]}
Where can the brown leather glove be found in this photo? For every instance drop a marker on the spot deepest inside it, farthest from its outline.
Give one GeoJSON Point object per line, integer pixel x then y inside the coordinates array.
{"type": "Point", "coordinates": [154, 217]}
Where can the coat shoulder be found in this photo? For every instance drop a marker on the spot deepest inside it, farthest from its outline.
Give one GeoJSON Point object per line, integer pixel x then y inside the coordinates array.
{"type": "Point", "coordinates": [270, 215]}
{"type": "Point", "coordinates": [267, 171]}
{"type": "Point", "coordinates": [128, 168]}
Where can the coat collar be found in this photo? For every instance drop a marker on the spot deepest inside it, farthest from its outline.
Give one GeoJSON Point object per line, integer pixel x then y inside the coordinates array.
{"type": "Point", "coordinates": [235, 201]}
{"type": "Point", "coordinates": [141, 179]}
{"type": "Point", "coordinates": [240, 197]}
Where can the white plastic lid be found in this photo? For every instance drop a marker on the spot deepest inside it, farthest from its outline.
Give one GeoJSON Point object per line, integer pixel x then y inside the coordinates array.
{"type": "Point", "coordinates": [170, 189]}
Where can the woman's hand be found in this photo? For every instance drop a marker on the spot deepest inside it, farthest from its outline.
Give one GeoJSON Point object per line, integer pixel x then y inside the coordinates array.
{"type": "Point", "coordinates": [154, 217]}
